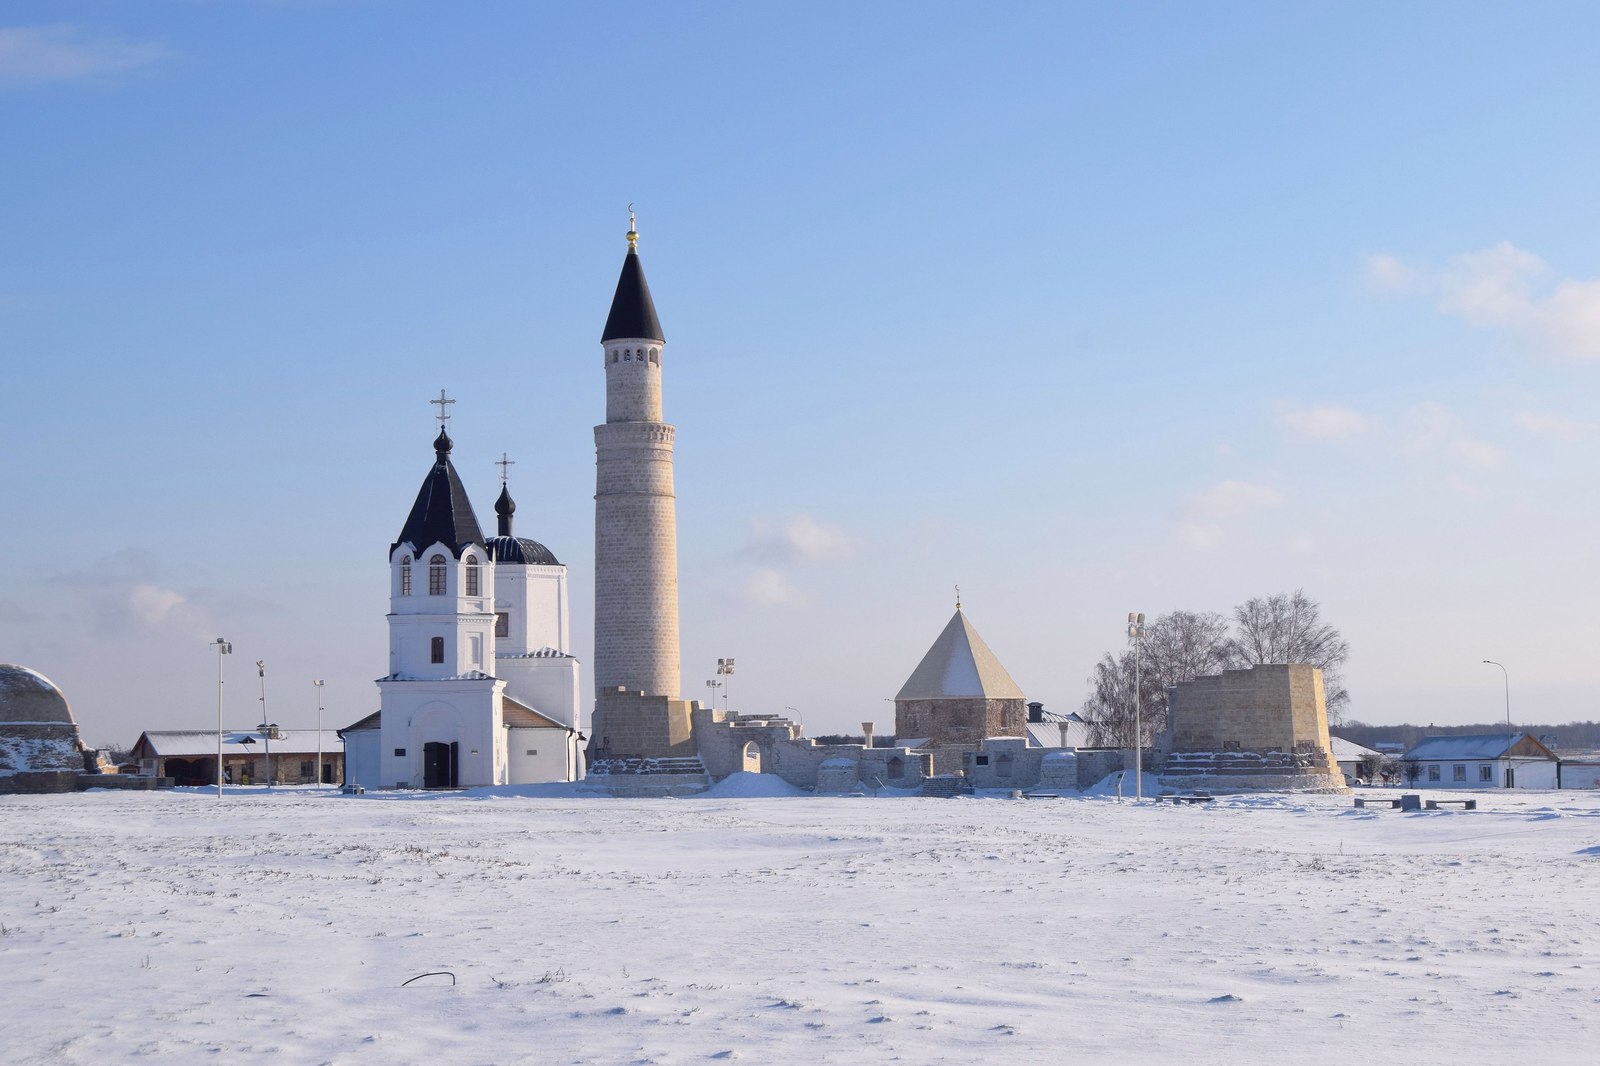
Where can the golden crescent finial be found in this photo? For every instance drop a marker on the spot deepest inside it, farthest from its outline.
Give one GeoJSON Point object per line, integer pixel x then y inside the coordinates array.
{"type": "Point", "coordinates": [633, 229]}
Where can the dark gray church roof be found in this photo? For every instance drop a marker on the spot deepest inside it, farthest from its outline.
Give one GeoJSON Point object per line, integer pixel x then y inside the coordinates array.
{"type": "Point", "coordinates": [633, 313]}
{"type": "Point", "coordinates": [442, 513]}
{"type": "Point", "coordinates": [521, 550]}
{"type": "Point", "coordinates": [508, 549]}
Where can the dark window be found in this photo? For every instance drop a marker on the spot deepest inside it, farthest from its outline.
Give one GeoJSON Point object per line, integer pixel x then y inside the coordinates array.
{"type": "Point", "coordinates": [436, 647]}
{"type": "Point", "coordinates": [1433, 773]}
{"type": "Point", "coordinates": [502, 624]}
{"type": "Point", "coordinates": [472, 575]}
{"type": "Point", "coordinates": [436, 576]}
{"type": "Point", "coordinates": [1458, 772]}
{"type": "Point", "coordinates": [1485, 772]}
{"type": "Point", "coordinates": [982, 760]}
{"type": "Point", "coordinates": [405, 575]}
{"type": "Point", "coordinates": [400, 753]}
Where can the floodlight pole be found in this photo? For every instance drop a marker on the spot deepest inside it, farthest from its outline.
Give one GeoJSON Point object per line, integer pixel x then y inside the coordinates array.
{"type": "Point", "coordinates": [1135, 633]}
{"type": "Point", "coordinates": [318, 683]}
{"type": "Point", "coordinates": [261, 668]}
{"type": "Point", "coordinates": [223, 648]}
{"type": "Point", "coordinates": [725, 669]}
{"type": "Point", "coordinates": [1507, 673]}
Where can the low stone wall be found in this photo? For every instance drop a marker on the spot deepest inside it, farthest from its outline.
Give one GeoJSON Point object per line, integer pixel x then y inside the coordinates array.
{"type": "Point", "coordinates": [38, 782]}
{"type": "Point", "coordinates": [133, 782]}
{"type": "Point", "coordinates": [644, 786]}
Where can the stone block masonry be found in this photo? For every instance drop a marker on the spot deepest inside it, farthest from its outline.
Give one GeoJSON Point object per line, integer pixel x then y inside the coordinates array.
{"type": "Point", "coordinates": [1265, 727]}
{"type": "Point", "coordinates": [636, 559]}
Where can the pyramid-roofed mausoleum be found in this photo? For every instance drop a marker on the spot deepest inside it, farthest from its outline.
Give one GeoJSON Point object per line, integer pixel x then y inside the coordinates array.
{"type": "Point", "coordinates": [958, 696]}
{"type": "Point", "coordinates": [959, 665]}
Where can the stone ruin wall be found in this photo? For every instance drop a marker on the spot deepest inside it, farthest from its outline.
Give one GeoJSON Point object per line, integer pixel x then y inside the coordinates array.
{"type": "Point", "coordinates": [632, 723]}
{"type": "Point", "coordinates": [39, 757]}
{"type": "Point", "coordinates": [1263, 727]}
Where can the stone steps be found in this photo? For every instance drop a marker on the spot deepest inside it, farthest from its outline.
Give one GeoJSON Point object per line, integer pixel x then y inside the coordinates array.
{"type": "Point", "coordinates": [634, 765]}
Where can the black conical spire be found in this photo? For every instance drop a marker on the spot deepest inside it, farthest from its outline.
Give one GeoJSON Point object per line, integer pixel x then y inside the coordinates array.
{"type": "Point", "coordinates": [442, 513]}
{"type": "Point", "coordinates": [633, 313]}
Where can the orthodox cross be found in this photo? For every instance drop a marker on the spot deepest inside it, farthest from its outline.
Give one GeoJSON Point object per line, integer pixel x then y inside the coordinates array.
{"type": "Point", "coordinates": [505, 464]}
{"type": "Point", "coordinates": [444, 408]}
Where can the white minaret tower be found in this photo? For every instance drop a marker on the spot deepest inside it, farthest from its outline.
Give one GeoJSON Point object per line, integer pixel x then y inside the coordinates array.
{"type": "Point", "coordinates": [636, 526]}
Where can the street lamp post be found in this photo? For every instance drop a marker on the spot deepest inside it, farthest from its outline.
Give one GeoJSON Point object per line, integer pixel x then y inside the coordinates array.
{"type": "Point", "coordinates": [223, 648]}
{"type": "Point", "coordinates": [1507, 675]}
{"type": "Point", "coordinates": [712, 686]}
{"type": "Point", "coordinates": [1135, 634]}
{"type": "Point", "coordinates": [725, 669]}
{"type": "Point", "coordinates": [261, 668]}
{"type": "Point", "coordinates": [318, 684]}
{"type": "Point", "coordinates": [267, 729]}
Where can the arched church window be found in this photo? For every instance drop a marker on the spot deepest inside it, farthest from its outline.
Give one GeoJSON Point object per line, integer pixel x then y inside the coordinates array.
{"type": "Point", "coordinates": [436, 650]}
{"type": "Point", "coordinates": [472, 575]}
{"type": "Point", "coordinates": [615, 355]}
{"type": "Point", "coordinates": [436, 576]}
{"type": "Point", "coordinates": [655, 356]}
{"type": "Point", "coordinates": [405, 575]}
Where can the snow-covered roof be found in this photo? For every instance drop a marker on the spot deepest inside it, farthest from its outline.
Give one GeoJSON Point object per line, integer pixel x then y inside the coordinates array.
{"type": "Point", "coordinates": [1467, 746]}
{"type": "Point", "coordinates": [959, 665]}
{"type": "Point", "coordinates": [1348, 750]}
{"type": "Point", "coordinates": [167, 743]}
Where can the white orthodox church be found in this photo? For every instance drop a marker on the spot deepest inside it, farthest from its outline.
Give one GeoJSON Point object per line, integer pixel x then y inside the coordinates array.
{"type": "Point", "coordinates": [482, 687]}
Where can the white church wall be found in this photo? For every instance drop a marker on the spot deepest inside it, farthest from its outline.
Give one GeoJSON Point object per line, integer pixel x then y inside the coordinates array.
{"type": "Point", "coordinates": [464, 712]}
{"type": "Point", "coordinates": [548, 684]}
{"type": "Point", "coordinates": [546, 601]}
{"type": "Point", "coordinates": [534, 600]}
{"type": "Point", "coordinates": [540, 755]}
{"type": "Point", "coordinates": [362, 765]}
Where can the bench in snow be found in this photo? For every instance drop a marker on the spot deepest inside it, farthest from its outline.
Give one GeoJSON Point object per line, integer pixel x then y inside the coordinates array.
{"type": "Point", "coordinates": [1408, 802]}
{"type": "Point", "coordinates": [1466, 805]}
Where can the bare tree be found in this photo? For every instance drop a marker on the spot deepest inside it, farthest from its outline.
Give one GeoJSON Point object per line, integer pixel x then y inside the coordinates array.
{"type": "Point", "coordinates": [1288, 628]}
{"type": "Point", "coordinates": [1184, 645]}
{"type": "Point", "coordinates": [1178, 646]}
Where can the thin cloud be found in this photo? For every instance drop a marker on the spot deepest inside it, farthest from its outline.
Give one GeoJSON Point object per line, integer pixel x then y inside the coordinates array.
{"type": "Point", "coordinates": [1327, 422]}
{"type": "Point", "coordinates": [1556, 427]}
{"type": "Point", "coordinates": [769, 588]}
{"type": "Point", "coordinates": [1432, 428]}
{"type": "Point", "coordinates": [62, 53]}
{"type": "Point", "coordinates": [1504, 287]}
{"type": "Point", "coordinates": [797, 539]}
{"type": "Point", "coordinates": [1208, 514]}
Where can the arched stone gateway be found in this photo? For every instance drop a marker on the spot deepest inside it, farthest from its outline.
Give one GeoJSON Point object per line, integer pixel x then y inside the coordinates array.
{"type": "Point", "coordinates": [752, 758]}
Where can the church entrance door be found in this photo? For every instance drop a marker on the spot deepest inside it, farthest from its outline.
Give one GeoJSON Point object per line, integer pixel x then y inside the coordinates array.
{"type": "Point", "coordinates": [440, 764]}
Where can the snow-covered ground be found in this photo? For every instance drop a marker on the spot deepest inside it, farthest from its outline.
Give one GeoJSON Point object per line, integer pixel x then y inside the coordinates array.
{"type": "Point", "coordinates": [1267, 929]}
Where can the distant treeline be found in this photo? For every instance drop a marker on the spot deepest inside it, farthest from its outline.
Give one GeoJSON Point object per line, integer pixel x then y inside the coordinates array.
{"type": "Point", "coordinates": [1573, 736]}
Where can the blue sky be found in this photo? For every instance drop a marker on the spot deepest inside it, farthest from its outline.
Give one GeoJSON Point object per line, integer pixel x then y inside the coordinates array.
{"type": "Point", "coordinates": [1087, 308]}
